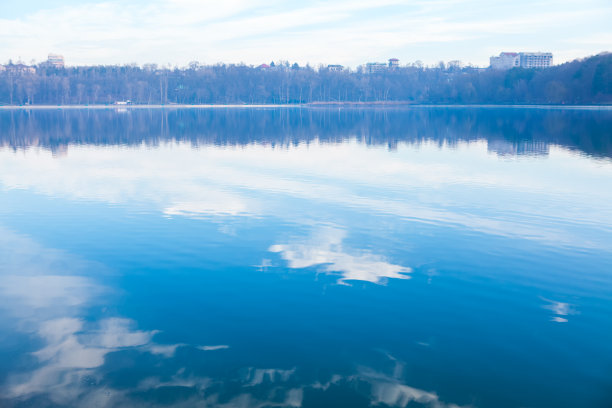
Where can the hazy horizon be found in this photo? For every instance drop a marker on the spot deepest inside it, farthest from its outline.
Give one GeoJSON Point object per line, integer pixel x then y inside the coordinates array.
{"type": "Point", "coordinates": [275, 61]}
{"type": "Point", "coordinates": [350, 33]}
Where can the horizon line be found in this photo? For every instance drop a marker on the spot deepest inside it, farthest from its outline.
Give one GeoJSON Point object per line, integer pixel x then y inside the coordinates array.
{"type": "Point", "coordinates": [281, 62]}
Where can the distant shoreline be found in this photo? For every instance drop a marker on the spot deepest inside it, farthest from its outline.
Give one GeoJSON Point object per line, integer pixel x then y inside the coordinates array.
{"type": "Point", "coordinates": [580, 82]}
{"type": "Point", "coordinates": [305, 105]}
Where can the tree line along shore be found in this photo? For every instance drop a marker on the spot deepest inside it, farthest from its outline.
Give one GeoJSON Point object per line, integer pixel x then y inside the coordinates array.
{"type": "Point", "coordinates": [580, 82]}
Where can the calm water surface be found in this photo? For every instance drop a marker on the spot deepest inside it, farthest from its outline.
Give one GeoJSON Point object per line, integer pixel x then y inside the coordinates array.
{"type": "Point", "coordinates": [424, 257]}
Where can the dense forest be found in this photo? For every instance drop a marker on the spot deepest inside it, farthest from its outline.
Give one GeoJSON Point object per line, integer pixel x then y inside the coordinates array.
{"type": "Point", "coordinates": [587, 81]}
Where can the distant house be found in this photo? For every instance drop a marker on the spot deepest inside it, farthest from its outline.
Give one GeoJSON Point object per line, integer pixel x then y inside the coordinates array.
{"type": "Point", "coordinates": [375, 67]}
{"type": "Point", "coordinates": [55, 60]}
{"type": "Point", "coordinates": [393, 63]}
{"type": "Point", "coordinates": [264, 66]}
{"type": "Point", "coordinates": [335, 67]}
{"type": "Point", "coordinates": [19, 69]}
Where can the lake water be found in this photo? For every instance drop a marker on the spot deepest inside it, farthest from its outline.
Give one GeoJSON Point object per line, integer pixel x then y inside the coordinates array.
{"type": "Point", "coordinates": [409, 257]}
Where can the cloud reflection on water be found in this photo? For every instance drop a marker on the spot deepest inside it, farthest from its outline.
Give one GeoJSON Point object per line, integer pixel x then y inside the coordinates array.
{"type": "Point", "coordinates": [38, 282]}
{"type": "Point", "coordinates": [556, 201]}
{"type": "Point", "coordinates": [70, 363]}
{"type": "Point", "coordinates": [429, 184]}
{"type": "Point", "coordinates": [561, 310]}
{"type": "Point", "coordinates": [325, 249]}
{"type": "Point", "coordinates": [72, 352]}
{"type": "Point", "coordinates": [44, 294]}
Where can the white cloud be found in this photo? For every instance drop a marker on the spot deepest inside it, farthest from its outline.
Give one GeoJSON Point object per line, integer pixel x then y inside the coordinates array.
{"type": "Point", "coordinates": [391, 391]}
{"type": "Point", "coordinates": [44, 292]}
{"type": "Point", "coordinates": [72, 352]}
{"type": "Point", "coordinates": [48, 290]}
{"type": "Point", "coordinates": [347, 32]}
{"type": "Point", "coordinates": [399, 395]}
{"type": "Point", "coordinates": [256, 376]}
{"type": "Point", "coordinates": [171, 188]}
{"type": "Point", "coordinates": [213, 348]}
{"type": "Point", "coordinates": [325, 249]}
{"type": "Point", "coordinates": [560, 310]}
{"type": "Point", "coordinates": [115, 333]}
{"type": "Point", "coordinates": [212, 203]}
{"type": "Point", "coordinates": [423, 183]}
{"type": "Point", "coordinates": [38, 282]}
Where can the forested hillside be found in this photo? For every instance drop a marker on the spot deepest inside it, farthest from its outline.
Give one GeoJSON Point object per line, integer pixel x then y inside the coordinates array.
{"type": "Point", "coordinates": [587, 81]}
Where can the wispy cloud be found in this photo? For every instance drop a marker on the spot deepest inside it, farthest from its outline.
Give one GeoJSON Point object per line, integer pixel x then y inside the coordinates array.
{"type": "Point", "coordinates": [347, 32]}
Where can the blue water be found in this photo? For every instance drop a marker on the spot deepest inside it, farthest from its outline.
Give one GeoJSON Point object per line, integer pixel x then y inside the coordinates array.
{"type": "Point", "coordinates": [413, 257]}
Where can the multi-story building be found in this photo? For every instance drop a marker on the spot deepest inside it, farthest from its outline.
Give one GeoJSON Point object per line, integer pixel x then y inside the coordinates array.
{"type": "Point", "coordinates": [535, 59]}
{"type": "Point", "coordinates": [335, 67]}
{"type": "Point", "coordinates": [393, 63]}
{"type": "Point", "coordinates": [56, 60]}
{"type": "Point", "coordinates": [375, 67]}
{"type": "Point", "coordinates": [506, 60]}
{"type": "Point", "coordinates": [19, 69]}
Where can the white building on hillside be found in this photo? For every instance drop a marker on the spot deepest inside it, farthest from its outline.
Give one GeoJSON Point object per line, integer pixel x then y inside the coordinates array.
{"type": "Point", "coordinates": [536, 59]}
{"type": "Point", "coordinates": [506, 60]}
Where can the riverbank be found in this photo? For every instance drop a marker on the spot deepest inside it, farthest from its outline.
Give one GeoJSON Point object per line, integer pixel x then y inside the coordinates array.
{"type": "Point", "coordinates": [301, 106]}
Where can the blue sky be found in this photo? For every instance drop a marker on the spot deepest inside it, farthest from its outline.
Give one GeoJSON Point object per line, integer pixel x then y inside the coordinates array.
{"type": "Point", "coordinates": [255, 31]}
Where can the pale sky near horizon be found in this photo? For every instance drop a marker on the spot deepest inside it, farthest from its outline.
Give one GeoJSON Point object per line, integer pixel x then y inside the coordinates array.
{"type": "Point", "coordinates": [91, 32]}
